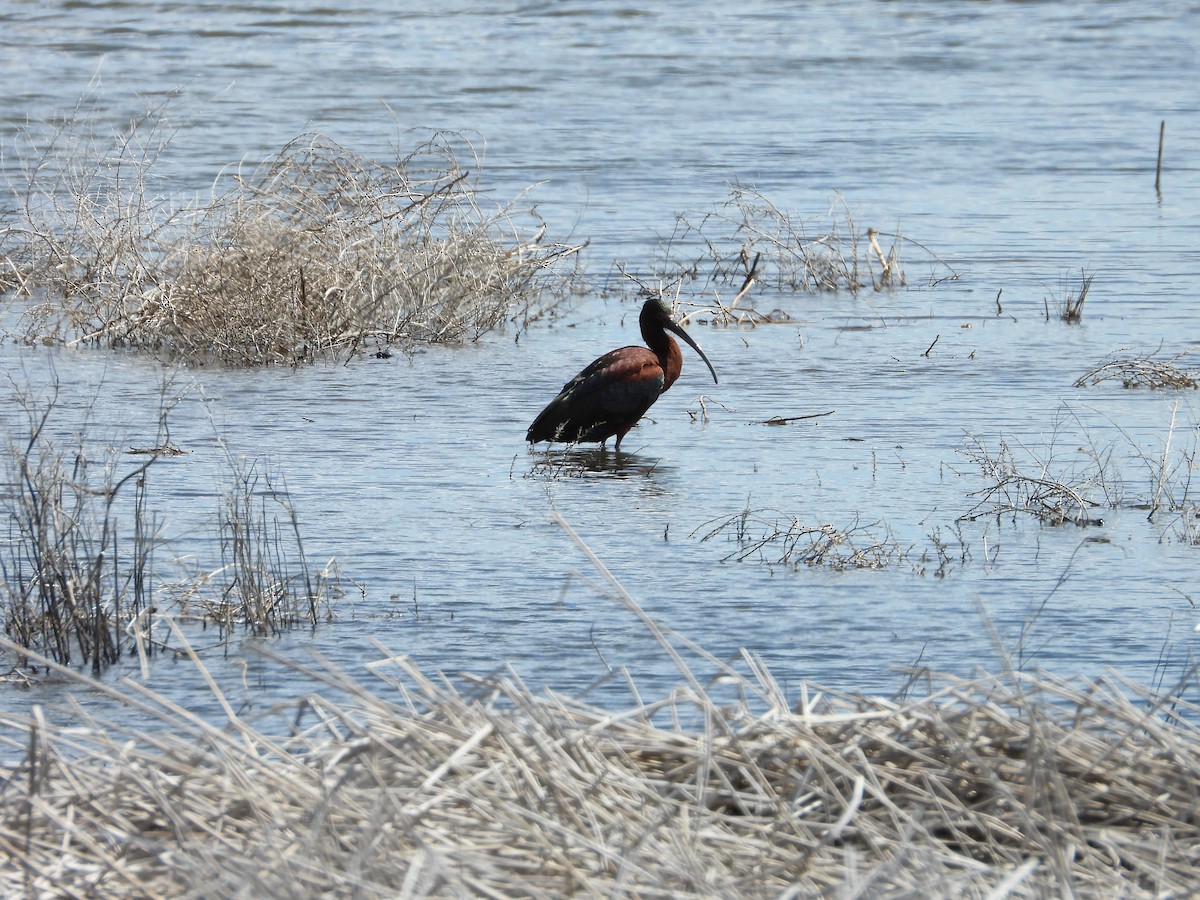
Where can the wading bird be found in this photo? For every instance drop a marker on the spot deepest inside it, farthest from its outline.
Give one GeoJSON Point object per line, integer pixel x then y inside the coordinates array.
{"type": "Point", "coordinates": [614, 392]}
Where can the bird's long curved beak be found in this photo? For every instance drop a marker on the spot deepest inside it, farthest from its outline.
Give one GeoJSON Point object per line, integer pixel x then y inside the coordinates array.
{"type": "Point", "coordinates": [678, 329]}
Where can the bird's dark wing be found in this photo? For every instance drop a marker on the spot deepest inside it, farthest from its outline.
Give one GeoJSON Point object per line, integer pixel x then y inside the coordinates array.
{"type": "Point", "coordinates": [609, 396]}
{"type": "Point", "coordinates": [620, 380]}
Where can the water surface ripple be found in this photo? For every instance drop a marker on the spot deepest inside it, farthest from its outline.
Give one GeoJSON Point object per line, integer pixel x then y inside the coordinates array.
{"type": "Point", "coordinates": [1016, 141]}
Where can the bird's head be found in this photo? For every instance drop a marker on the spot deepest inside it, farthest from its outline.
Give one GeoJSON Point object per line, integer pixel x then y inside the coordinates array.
{"type": "Point", "coordinates": [657, 315]}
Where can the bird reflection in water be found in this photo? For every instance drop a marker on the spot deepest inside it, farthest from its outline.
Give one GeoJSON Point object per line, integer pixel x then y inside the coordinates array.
{"type": "Point", "coordinates": [592, 462]}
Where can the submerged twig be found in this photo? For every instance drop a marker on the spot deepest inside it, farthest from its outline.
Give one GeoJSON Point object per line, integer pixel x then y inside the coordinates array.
{"type": "Point", "coordinates": [785, 420]}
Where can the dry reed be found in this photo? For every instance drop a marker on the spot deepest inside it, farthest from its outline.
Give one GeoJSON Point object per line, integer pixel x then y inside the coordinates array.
{"type": "Point", "coordinates": [317, 252]}
{"type": "Point", "coordinates": [1013, 786]}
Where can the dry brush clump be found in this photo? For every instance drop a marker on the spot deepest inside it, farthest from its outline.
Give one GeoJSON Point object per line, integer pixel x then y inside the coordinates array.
{"type": "Point", "coordinates": [1022, 483]}
{"type": "Point", "coordinates": [748, 240]}
{"type": "Point", "coordinates": [1143, 371]}
{"type": "Point", "coordinates": [317, 252]}
{"type": "Point", "coordinates": [778, 539]}
{"type": "Point", "coordinates": [1013, 786]}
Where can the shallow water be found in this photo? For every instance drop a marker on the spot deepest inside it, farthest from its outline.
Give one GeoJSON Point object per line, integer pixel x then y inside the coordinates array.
{"type": "Point", "coordinates": [1016, 141]}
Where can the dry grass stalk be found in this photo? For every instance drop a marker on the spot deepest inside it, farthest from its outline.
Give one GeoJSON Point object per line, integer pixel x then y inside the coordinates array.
{"type": "Point", "coordinates": [1020, 786]}
{"type": "Point", "coordinates": [778, 539]}
{"type": "Point", "coordinates": [73, 578]}
{"type": "Point", "coordinates": [265, 583]}
{"type": "Point", "coordinates": [317, 252]}
{"type": "Point", "coordinates": [1070, 307]}
{"type": "Point", "coordinates": [78, 580]}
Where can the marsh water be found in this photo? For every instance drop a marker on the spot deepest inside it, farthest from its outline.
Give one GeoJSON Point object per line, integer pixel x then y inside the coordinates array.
{"type": "Point", "coordinates": [1012, 145]}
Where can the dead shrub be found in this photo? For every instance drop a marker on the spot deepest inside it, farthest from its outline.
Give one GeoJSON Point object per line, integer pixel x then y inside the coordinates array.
{"type": "Point", "coordinates": [748, 240]}
{"type": "Point", "coordinates": [1143, 371]}
{"type": "Point", "coordinates": [782, 540]}
{"type": "Point", "coordinates": [317, 252]}
{"type": "Point", "coordinates": [1029, 488]}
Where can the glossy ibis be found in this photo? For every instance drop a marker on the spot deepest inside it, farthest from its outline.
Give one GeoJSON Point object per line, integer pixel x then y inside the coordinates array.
{"type": "Point", "coordinates": [614, 392]}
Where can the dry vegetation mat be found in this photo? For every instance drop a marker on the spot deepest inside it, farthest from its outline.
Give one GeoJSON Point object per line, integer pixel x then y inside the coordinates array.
{"type": "Point", "coordinates": [992, 787]}
{"type": "Point", "coordinates": [1017, 785]}
{"type": "Point", "coordinates": [318, 251]}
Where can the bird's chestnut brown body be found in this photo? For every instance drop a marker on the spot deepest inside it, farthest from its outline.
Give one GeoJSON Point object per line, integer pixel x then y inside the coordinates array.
{"type": "Point", "coordinates": [609, 396]}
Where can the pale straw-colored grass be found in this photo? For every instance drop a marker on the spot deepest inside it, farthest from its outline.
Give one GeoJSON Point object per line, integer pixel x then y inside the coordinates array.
{"type": "Point", "coordinates": [1014, 785]}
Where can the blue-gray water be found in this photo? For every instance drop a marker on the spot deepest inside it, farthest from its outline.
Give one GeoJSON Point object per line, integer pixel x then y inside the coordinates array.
{"type": "Point", "coordinates": [1016, 141]}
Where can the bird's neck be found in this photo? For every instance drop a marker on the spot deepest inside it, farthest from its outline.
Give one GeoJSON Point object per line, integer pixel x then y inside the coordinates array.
{"type": "Point", "coordinates": [671, 360]}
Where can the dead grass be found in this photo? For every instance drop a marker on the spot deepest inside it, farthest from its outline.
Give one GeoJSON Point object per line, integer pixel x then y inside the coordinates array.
{"type": "Point", "coordinates": [1069, 307]}
{"type": "Point", "coordinates": [79, 582]}
{"type": "Point", "coordinates": [77, 567]}
{"type": "Point", "coordinates": [318, 252]}
{"type": "Point", "coordinates": [265, 585]}
{"type": "Point", "coordinates": [1016, 785]}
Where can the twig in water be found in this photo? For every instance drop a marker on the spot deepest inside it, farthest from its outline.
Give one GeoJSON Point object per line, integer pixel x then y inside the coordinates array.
{"type": "Point", "coordinates": [1162, 131]}
{"type": "Point", "coordinates": [751, 277]}
{"type": "Point", "coordinates": [782, 420]}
